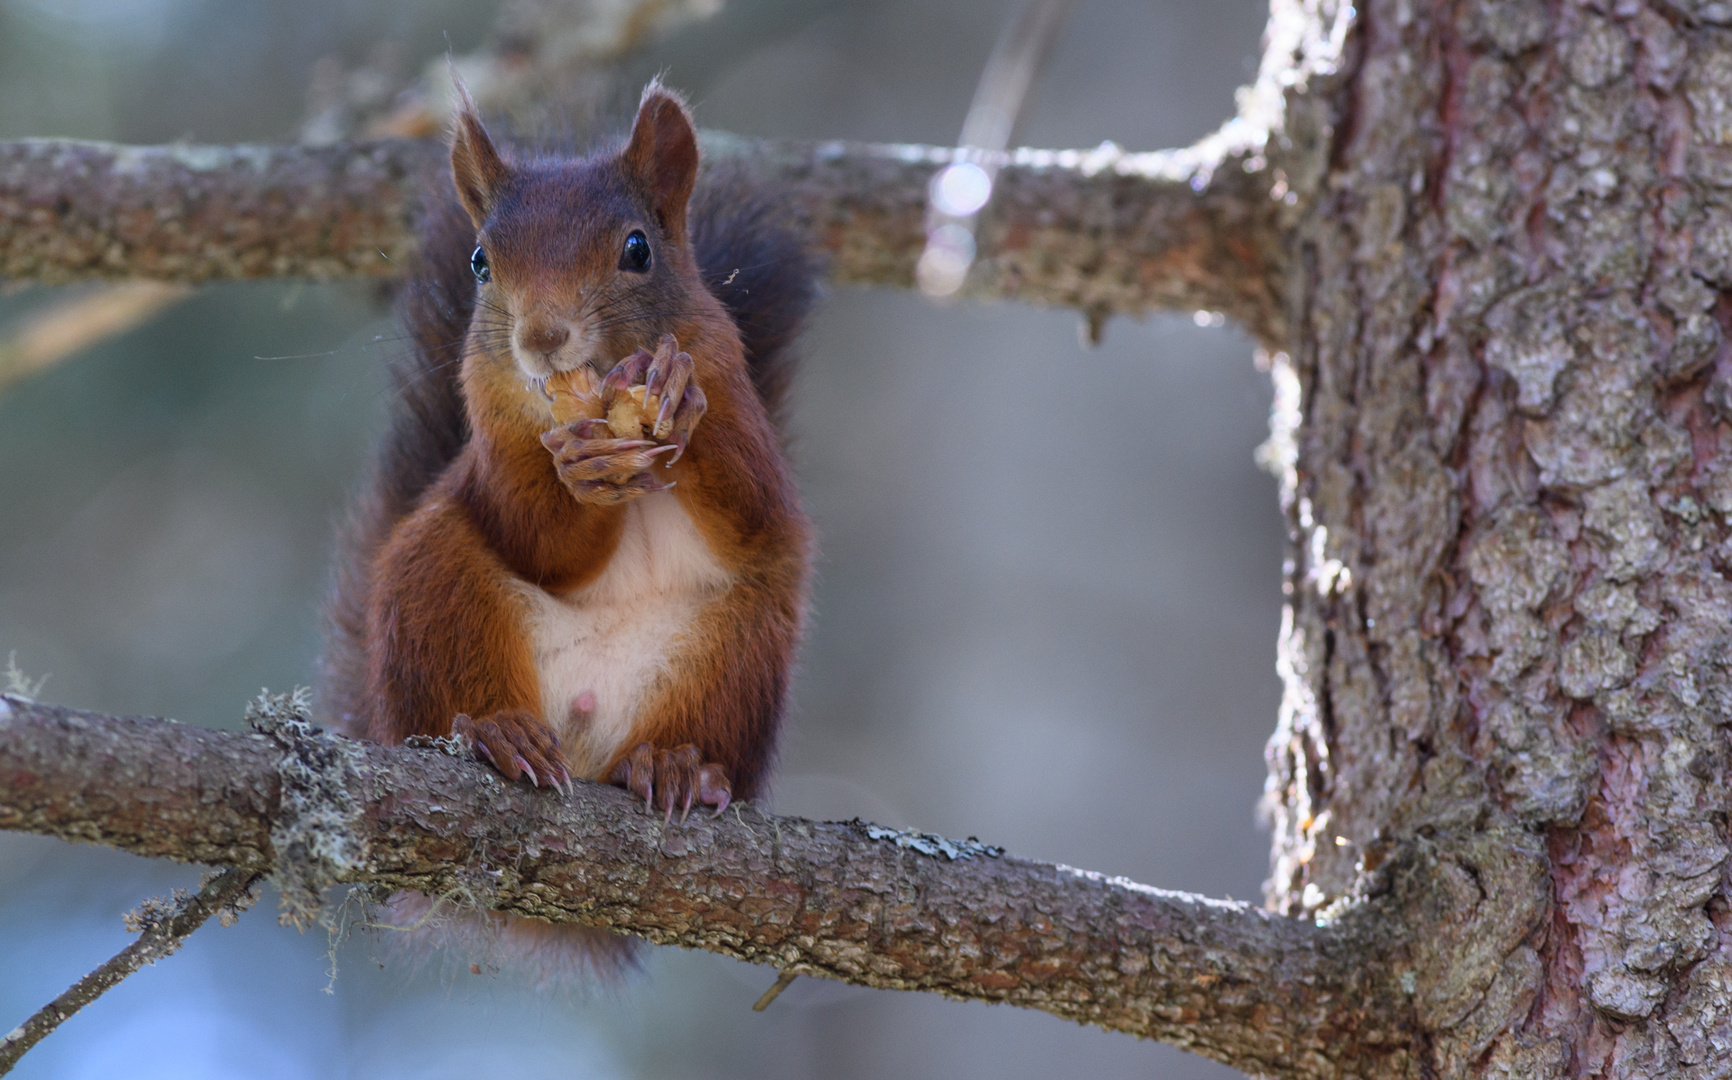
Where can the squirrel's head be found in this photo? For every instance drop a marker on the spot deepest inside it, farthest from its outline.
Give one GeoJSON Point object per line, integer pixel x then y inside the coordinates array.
{"type": "Point", "coordinates": [580, 261]}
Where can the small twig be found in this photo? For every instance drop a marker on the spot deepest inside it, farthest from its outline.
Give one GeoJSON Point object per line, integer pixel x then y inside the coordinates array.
{"type": "Point", "coordinates": [774, 991]}
{"type": "Point", "coordinates": [163, 924]}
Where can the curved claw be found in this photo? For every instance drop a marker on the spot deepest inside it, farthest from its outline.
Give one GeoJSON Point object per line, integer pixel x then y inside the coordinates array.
{"type": "Point", "coordinates": [636, 773]}
{"type": "Point", "coordinates": [693, 405]}
{"type": "Point", "coordinates": [666, 380]}
{"type": "Point", "coordinates": [713, 788]}
{"type": "Point", "coordinates": [487, 752]}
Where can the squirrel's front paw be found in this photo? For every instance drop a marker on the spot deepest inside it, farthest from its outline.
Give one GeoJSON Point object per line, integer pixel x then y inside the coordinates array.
{"type": "Point", "coordinates": [517, 744]}
{"type": "Point", "coordinates": [670, 778]}
{"type": "Point", "coordinates": [673, 403]}
{"type": "Point", "coordinates": [598, 468]}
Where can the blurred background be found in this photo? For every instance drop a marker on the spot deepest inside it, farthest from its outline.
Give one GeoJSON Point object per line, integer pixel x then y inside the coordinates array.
{"type": "Point", "coordinates": [1067, 654]}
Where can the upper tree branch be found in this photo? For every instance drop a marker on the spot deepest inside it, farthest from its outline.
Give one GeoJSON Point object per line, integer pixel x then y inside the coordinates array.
{"type": "Point", "coordinates": [1104, 231]}
{"type": "Point", "coordinates": [1260, 992]}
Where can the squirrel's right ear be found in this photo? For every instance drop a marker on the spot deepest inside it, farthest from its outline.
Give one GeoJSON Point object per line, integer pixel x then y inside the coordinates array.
{"type": "Point", "coordinates": [476, 167]}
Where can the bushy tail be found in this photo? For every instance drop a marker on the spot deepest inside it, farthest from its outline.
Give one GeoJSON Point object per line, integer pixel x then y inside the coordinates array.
{"type": "Point", "coordinates": [762, 271]}
{"type": "Point", "coordinates": [425, 934]}
{"type": "Point", "coordinates": [427, 429]}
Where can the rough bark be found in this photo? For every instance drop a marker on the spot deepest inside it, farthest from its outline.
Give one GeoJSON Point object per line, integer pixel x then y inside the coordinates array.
{"type": "Point", "coordinates": [1101, 230]}
{"type": "Point", "coordinates": [1502, 428]}
{"type": "Point", "coordinates": [842, 900]}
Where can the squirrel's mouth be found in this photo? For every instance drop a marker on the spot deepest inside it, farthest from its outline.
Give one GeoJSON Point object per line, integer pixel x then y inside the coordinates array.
{"type": "Point", "coordinates": [538, 383]}
{"type": "Point", "coordinates": [559, 388]}
{"type": "Point", "coordinates": [542, 351]}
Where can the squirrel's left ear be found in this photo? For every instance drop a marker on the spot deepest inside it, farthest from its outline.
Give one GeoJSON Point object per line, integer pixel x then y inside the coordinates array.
{"type": "Point", "coordinates": [476, 167]}
{"type": "Point", "coordinates": [663, 155]}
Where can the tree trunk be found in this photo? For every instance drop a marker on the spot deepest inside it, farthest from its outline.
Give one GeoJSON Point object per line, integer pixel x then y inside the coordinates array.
{"type": "Point", "coordinates": [1501, 426]}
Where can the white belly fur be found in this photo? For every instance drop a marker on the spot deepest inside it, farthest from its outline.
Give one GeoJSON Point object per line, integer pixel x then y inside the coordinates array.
{"type": "Point", "coordinates": [616, 636]}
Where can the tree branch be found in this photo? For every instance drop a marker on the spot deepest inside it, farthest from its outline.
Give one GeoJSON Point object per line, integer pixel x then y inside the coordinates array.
{"type": "Point", "coordinates": [1104, 231]}
{"type": "Point", "coordinates": [162, 926]}
{"type": "Point", "coordinates": [73, 210]}
{"type": "Point", "coordinates": [847, 901]}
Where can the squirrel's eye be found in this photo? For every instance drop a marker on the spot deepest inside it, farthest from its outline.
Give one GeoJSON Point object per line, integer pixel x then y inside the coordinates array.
{"type": "Point", "coordinates": [636, 256]}
{"type": "Point", "coordinates": [478, 263]}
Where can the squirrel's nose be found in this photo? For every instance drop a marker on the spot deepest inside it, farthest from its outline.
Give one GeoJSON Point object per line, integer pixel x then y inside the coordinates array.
{"type": "Point", "coordinates": [544, 338]}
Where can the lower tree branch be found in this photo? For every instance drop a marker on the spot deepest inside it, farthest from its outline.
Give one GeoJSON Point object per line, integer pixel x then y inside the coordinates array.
{"type": "Point", "coordinates": [841, 900]}
{"type": "Point", "coordinates": [162, 926]}
{"type": "Point", "coordinates": [1102, 230]}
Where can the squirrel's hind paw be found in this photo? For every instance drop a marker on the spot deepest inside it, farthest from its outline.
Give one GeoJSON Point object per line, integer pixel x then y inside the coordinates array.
{"type": "Point", "coordinates": [666, 779]}
{"type": "Point", "coordinates": [517, 744]}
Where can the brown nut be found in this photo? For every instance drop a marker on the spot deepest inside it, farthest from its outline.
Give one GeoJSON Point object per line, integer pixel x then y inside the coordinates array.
{"type": "Point", "coordinates": [630, 414]}
{"type": "Point", "coordinates": [576, 395]}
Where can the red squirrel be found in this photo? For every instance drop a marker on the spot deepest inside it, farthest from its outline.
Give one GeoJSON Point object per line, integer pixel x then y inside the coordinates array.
{"type": "Point", "coordinates": [623, 610]}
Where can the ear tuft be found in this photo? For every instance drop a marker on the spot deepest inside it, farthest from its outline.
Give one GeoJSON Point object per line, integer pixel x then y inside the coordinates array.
{"type": "Point", "coordinates": [476, 167]}
{"type": "Point", "coordinates": [663, 156]}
